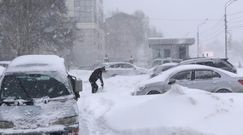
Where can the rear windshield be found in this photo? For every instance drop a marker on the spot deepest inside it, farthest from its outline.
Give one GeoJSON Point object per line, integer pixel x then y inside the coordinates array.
{"type": "Point", "coordinates": [23, 86]}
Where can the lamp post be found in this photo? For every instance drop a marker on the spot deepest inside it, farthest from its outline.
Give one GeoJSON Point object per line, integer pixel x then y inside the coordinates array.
{"type": "Point", "coordinates": [198, 40]}
{"type": "Point", "coordinates": [227, 4]}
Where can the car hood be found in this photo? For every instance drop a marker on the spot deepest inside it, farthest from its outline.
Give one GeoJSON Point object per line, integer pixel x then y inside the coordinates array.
{"type": "Point", "coordinates": [41, 114]}
{"type": "Point", "coordinates": [142, 86]}
{"type": "Point", "coordinates": [155, 84]}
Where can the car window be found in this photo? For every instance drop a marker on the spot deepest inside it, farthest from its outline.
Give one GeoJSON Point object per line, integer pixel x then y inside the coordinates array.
{"type": "Point", "coordinates": [221, 64]}
{"type": "Point", "coordinates": [115, 66]}
{"type": "Point", "coordinates": [206, 74]}
{"type": "Point", "coordinates": [166, 61]}
{"type": "Point", "coordinates": [184, 75]}
{"type": "Point", "coordinates": [206, 63]}
{"type": "Point", "coordinates": [157, 62]}
{"type": "Point", "coordinates": [126, 66]}
{"type": "Point", "coordinates": [22, 86]}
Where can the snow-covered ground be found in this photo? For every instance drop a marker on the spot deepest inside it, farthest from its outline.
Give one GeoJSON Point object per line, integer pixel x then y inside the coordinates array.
{"type": "Point", "coordinates": [180, 111]}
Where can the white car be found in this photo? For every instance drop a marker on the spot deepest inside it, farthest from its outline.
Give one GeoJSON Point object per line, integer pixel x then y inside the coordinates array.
{"type": "Point", "coordinates": [192, 76]}
{"type": "Point", "coordinates": [122, 68]}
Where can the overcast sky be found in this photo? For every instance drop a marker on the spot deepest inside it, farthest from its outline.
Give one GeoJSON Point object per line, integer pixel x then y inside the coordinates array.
{"type": "Point", "coordinates": [180, 18]}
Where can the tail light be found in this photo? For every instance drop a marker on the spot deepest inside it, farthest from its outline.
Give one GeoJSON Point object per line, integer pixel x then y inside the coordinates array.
{"type": "Point", "coordinates": [241, 82]}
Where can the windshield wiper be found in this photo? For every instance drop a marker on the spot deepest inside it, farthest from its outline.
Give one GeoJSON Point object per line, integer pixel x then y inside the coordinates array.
{"type": "Point", "coordinates": [18, 102]}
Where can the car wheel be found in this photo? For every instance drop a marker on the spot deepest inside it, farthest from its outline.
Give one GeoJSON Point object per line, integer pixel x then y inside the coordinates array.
{"type": "Point", "coordinates": [223, 91]}
{"type": "Point", "coordinates": [153, 92]}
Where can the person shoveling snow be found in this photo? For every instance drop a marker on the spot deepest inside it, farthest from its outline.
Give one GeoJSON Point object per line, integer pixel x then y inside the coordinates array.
{"type": "Point", "coordinates": [97, 74]}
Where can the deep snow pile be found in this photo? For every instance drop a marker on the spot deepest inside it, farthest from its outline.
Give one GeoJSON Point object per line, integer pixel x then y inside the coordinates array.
{"type": "Point", "coordinates": [180, 111]}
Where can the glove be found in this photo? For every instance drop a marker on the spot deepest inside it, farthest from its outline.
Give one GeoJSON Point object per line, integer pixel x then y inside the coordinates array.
{"type": "Point", "coordinates": [102, 85]}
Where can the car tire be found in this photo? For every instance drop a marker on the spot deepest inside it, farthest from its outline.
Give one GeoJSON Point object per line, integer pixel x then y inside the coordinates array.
{"type": "Point", "coordinates": [152, 92]}
{"type": "Point", "coordinates": [223, 91]}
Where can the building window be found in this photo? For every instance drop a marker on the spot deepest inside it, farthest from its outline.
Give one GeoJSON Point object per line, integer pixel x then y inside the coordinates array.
{"type": "Point", "coordinates": [182, 52]}
{"type": "Point", "coordinates": [167, 53]}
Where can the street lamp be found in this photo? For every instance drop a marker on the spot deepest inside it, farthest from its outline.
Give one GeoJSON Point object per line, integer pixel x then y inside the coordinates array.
{"type": "Point", "coordinates": [198, 41]}
{"type": "Point", "coordinates": [227, 4]}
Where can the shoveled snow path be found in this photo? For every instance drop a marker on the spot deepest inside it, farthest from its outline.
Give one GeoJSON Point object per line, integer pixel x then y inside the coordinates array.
{"type": "Point", "coordinates": [93, 107]}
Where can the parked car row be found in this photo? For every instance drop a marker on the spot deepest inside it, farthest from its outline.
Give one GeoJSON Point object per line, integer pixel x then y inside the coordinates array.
{"type": "Point", "coordinates": [125, 68]}
{"type": "Point", "coordinates": [222, 63]}
{"type": "Point", "coordinates": [212, 62]}
{"type": "Point", "coordinates": [192, 76]}
{"type": "Point", "coordinates": [210, 74]}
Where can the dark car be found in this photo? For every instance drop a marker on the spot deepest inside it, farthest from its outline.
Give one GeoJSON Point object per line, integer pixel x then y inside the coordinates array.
{"type": "Point", "coordinates": [222, 63]}
{"type": "Point", "coordinates": [161, 68]}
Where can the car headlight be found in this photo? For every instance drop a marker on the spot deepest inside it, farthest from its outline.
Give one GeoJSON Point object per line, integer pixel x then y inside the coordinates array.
{"type": "Point", "coordinates": [67, 121]}
{"type": "Point", "coordinates": [6, 124]}
{"type": "Point", "coordinates": [141, 88]}
{"type": "Point", "coordinates": [137, 90]}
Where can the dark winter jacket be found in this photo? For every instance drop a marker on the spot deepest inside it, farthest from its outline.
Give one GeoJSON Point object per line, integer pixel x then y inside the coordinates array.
{"type": "Point", "coordinates": [97, 74]}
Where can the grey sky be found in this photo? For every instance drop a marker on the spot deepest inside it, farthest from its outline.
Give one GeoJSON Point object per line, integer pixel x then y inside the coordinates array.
{"type": "Point", "coordinates": [180, 18]}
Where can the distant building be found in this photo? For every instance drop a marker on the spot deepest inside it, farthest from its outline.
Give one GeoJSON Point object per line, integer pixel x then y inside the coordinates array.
{"type": "Point", "coordinates": [88, 15]}
{"type": "Point", "coordinates": [174, 48]}
{"type": "Point", "coordinates": [125, 37]}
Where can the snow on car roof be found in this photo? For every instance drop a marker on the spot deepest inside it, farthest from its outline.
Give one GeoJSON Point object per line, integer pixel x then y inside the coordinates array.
{"type": "Point", "coordinates": [37, 63]}
{"type": "Point", "coordinates": [111, 63]}
{"type": "Point", "coordinates": [201, 60]}
{"type": "Point", "coordinates": [164, 75]}
{"type": "Point", "coordinates": [169, 64]}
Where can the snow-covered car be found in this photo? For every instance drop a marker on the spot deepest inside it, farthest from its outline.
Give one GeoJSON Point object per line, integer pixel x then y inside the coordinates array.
{"type": "Point", "coordinates": [122, 68]}
{"type": "Point", "coordinates": [192, 76]}
{"type": "Point", "coordinates": [160, 68]}
{"type": "Point", "coordinates": [39, 97]}
{"type": "Point", "coordinates": [222, 63]}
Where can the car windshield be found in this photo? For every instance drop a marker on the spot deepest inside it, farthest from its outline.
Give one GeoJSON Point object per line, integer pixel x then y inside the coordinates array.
{"type": "Point", "coordinates": [25, 86]}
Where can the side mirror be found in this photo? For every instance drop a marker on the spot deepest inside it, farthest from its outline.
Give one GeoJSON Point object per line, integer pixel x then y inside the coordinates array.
{"type": "Point", "coordinates": [77, 85]}
{"type": "Point", "coordinates": [172, 81]}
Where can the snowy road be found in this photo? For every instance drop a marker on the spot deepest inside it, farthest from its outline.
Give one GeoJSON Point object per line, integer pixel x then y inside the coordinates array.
{"type": "Point", "coordinates": [181, 111]}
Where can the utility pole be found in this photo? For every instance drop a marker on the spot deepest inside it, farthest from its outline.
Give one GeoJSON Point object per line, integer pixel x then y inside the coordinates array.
{"type": "Point", "coordinates": [198, 39]}
{"type": "Point", "coordinates": [225, 34]}
{"type": "Point", "coordinates": [227, 4]}
{"type": "Point", "coordinates": [198, 42]}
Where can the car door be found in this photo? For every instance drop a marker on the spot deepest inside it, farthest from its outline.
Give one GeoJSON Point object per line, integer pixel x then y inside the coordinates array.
{"type": "Point", "coordinates": [205, 79]}
{"type": "Point", "coordinates": [112, 70]}
{"type": "Point", "coordinates": [183, 78]}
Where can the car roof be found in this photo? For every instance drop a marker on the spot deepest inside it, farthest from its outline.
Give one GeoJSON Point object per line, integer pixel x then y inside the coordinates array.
{"type": "Point", "coordinates": [28, 63]}
{"type": "Point", "coordinates": [164, 75]}
{"type": "Point", "coordinates": [112, 63]}
{"type": "Point", "coordinates": [168, 64]}
{"type": "Point", "coordinates": [107, 64]}
{"type": "Point", "coordinates": [202, 59]}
